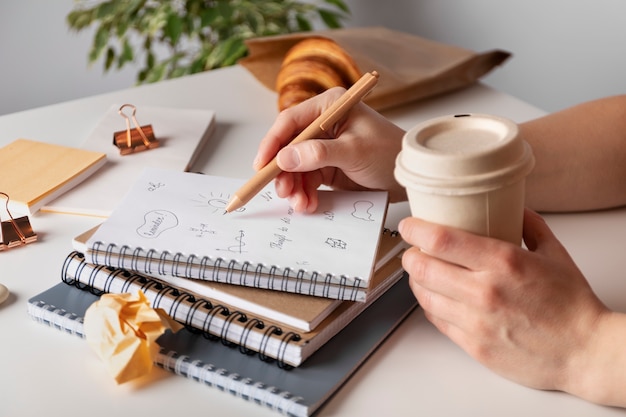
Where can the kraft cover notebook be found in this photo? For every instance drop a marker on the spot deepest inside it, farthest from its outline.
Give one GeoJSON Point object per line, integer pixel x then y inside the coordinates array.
{"type": "Point", "coordinates": [173, 224]}
{"type": "Point", "coordinates": [33, 173]}
{"type": "Point", "coordinates": [181, 133]}
{"type": "Point", "coordinates": [253, 332]}
{"type": "Point", "coordinates": [297, 392]}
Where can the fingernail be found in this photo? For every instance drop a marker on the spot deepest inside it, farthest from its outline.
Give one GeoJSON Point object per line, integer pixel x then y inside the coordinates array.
{"type": "Point", "coordinates": [255, 163]}
{"type": "Point", "coordinates": [288, 159]}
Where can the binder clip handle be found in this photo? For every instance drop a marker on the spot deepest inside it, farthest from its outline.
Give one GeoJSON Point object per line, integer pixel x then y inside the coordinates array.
{"type": "Point", "coordinates": [15, 232]}
{"type": "Point", "coordinates": [134, 139]}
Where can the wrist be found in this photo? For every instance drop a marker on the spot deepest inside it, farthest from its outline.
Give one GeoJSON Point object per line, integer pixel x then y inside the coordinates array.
{"type": "Point", "coordinates": [596, 372]}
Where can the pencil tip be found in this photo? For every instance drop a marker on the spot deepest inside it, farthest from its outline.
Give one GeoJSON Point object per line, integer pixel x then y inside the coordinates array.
{"type": "Point", "coordinates": [233, 204]}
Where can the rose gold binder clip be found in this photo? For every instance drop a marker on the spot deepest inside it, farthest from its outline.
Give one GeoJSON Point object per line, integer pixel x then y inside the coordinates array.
{"type": "Point", "coordinates": [15, 232]}
{"type": "Point", "coordinates": [136, 139]}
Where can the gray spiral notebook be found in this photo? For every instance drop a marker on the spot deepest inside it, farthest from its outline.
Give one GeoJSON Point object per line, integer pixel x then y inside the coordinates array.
{"type": "Point", "coordinates": [295, 392]}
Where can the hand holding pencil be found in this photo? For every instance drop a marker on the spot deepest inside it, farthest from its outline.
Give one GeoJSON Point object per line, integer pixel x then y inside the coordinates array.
{"type": "Point", "coordinates": [323, 123]}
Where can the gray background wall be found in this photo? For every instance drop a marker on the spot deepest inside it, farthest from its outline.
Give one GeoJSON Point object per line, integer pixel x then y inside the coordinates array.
{"type": "Point", "coordinates": [564, 51]}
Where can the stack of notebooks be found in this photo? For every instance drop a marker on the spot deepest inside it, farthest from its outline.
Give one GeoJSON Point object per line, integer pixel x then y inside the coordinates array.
{"type": "Point", "coordinates": [296, 301]}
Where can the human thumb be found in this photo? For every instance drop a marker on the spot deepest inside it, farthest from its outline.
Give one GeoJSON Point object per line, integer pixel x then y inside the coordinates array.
{"type": "Point", "coordinates": [306, 156]}
{"type": "Point", "coordinates": [288, 159]}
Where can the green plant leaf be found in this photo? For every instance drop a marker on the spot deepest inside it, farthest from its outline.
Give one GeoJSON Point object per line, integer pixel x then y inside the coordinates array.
{"type": "Point", "coordinates": [122, 27]}
{"type": "Point", "coordinates": [220, 52]}
{"type": "Point", "coordinates": [339, 4]}
{"type": "Point", "coordinates": [104, 10]}
{"type": "Point", "coordinates": [126, 55]}
{"type": "Point", "coordinates": [303, 24]}
{"type": "Point", "coordinates": [234, 49]}
{"type": "Point", "coordinates": [134, 6]}
{"type": "Point", "coordinates": [208, 16]}
{"type": "Point", "coordinates": [80, 19]}
{"type": "Point", "coordinates": [100, 41]}
{"type": "Point", "coordinates": [225, 9]}
{"type": "Point", "coordinates": [330, 19]}
{"type": "Point", "coordinates": [174, 28]}
{"type": "Point", "coordinates": [110, 58]}
{"type": "Point", "coordinates": [142, 75]}
{"type": "Point", "coordinates": [150, 59]}
{"type": "Point", "coordinates": [156, 73]}
{"type": "Point", "coordinates": [198, 64]}
{"type": "Point", "coordinates": [191, 35]}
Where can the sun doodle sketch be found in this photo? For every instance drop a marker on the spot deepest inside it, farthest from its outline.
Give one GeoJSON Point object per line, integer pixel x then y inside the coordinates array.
{"type": "Point", "coordinates": [216, 202]}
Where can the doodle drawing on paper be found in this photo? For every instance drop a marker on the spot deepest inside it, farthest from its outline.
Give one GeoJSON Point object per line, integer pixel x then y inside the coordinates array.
{"type": "Point", "coordinates": [362, 210]}
{"type": "Point", "coordinates": [336, 243]}
{"type": "Point", "coordinates": [156, 222]}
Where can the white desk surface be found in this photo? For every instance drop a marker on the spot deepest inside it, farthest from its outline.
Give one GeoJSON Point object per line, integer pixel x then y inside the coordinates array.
{"type": "Point", "coordinates": [416, 372]}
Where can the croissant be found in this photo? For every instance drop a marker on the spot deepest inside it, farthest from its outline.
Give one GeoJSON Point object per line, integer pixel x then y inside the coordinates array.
{"type": "Point", "coordinates": [312, 66]}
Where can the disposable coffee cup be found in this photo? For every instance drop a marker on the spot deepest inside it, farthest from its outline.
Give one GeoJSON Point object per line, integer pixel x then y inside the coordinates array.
{"type": "Point", "coordinates": [467, 171]}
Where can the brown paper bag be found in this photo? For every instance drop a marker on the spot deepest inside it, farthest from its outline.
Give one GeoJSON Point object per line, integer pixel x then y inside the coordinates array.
{"type": "Point", "coordinates": [410, 67]}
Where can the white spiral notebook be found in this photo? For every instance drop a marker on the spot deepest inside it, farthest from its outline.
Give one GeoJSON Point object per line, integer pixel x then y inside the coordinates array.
{"type": "Point", "coordinates": [296, 392]}
{"type": "Point", "coordinates": [173, 224]}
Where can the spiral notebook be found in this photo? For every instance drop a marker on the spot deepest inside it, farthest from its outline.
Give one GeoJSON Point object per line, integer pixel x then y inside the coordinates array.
{"type": "Point", "coordinates": [252, 332]}
{"type": "Point", "coordinates": [300, 311]}
{"type": "Point", "coordinates": [297, 392]}
{"type": "Point", "coordinates": [173, 224]}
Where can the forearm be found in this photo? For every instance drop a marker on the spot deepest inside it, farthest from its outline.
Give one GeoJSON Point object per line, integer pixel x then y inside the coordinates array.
{"type": "Point", "coordinates": [598, 374]}
{"type": "Point", "coordinates": [580, 157]}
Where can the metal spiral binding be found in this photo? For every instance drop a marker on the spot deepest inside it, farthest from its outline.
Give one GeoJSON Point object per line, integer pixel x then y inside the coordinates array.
{"type": "Point", "coordinates": [178, 298]}
{"type": "Point", "coordinates": [219, 270]}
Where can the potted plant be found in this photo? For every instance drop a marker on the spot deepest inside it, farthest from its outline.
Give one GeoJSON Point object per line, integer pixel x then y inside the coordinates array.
{"type": "Point", "coordinates": [180, 37]}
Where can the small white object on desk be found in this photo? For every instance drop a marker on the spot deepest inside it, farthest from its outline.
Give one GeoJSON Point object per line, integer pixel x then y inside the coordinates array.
{"type": "Point", "coordinates": [4, 293]}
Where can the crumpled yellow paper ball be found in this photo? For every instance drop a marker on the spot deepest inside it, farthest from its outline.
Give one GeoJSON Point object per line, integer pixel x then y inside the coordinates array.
{"type": "Point", "coordinates": [122, 329]}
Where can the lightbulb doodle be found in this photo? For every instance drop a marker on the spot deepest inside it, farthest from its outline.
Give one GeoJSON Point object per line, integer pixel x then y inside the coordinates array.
{"type": "Point", "coordinates": [216, 202]}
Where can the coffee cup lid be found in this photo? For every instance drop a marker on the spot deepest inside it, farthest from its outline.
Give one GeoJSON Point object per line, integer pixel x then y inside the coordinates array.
{"type": "Point", "coordinates": [463, 153]}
